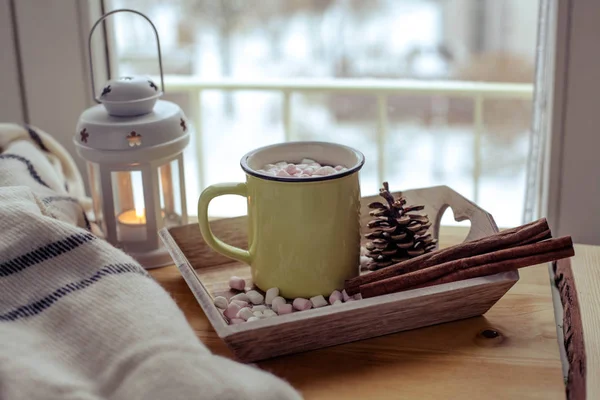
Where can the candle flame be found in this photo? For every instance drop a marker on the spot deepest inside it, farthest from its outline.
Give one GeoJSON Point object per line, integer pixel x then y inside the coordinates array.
{"type": "Point", "coordinates": [140, 212]}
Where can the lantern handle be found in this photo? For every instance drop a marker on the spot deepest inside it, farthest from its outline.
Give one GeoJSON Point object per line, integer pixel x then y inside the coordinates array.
{"type": "Point", "coordinates": [162, 79]}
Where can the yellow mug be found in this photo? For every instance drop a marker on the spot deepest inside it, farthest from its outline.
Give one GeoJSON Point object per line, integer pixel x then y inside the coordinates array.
{"type": "Point", "coordinates": [303, 234]}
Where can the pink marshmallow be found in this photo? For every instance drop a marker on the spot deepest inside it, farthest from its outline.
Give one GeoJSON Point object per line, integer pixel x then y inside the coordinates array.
{"type": "Point", "coordinates": [237, 283]}
{"type": "Point", "coordinates": [345, 296]}
{"type": "Point", "coordinates": [301, 304]}
{"type": "Point", "coordinates": [291, 169]}
{"type": "Point", "coordinates": [232, 310]}
{"type": "Point", "coordinates": [336, 295]}
{"type": "Point", "coordinates": [284, 309]}
{"type": "Point", "coordinates": [304, 169]}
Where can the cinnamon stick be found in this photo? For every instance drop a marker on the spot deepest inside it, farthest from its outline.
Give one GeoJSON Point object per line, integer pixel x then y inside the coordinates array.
{"type": "Point", "coordinates": [511, 258]}
{"type": "Point", "coordinates": [504, 239]}
{"type": "Point", "coordinates": [538, 238]}
{"type": "Point", "coordinates": [503, 266]}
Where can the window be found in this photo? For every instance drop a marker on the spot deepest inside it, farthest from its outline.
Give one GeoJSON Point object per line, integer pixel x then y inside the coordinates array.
{"type": "Point", "coordinates": [433, 92]}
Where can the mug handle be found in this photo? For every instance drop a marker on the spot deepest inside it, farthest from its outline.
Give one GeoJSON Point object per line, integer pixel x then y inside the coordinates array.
{"type": "Point", "coordinates": [218, 245]}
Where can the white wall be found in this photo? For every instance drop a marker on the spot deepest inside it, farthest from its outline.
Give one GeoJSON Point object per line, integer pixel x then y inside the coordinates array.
{"type": "Point", "coordinates": [574, 170]}
{"type": "Point", "coordinates": [53, 50]}
{"type": "Point", "coordinates": [10, 93]}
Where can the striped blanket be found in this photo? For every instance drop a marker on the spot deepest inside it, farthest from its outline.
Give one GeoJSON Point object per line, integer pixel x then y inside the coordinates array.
{"type": "Point", "coordinates": [80, 319]}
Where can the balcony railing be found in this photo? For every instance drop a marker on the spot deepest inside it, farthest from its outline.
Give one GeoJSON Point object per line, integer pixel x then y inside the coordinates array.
{"type": "Point", "coordinates": [380, 89]}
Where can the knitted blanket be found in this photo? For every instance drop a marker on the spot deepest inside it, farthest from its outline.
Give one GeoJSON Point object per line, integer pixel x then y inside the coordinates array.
{"type": "Point", "coordinates": [80, 319]}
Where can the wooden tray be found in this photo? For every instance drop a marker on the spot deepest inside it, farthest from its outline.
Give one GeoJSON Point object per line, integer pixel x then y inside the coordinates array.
{"type": "Point", "coordinates": [207, 273]}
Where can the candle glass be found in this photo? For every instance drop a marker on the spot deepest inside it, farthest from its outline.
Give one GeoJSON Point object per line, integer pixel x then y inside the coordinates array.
{"type": "Point", "coordinates": [169, 183]}
{"type": "Point", "coordinates": [97, 219]}
{"type": "Point", "coordinates": [129, 207]}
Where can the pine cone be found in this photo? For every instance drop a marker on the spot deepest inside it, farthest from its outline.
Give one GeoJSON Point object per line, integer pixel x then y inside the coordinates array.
{"type": "Point", "coordinates": [398, 233]}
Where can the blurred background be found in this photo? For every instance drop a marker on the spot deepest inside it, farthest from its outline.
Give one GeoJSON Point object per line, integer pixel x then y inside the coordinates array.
{"type": "Point", "coordinates": [431, 91]}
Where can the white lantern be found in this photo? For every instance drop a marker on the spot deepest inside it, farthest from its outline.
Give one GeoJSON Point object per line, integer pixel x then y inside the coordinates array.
{"type": "Point", "coordinates": [133, 144]}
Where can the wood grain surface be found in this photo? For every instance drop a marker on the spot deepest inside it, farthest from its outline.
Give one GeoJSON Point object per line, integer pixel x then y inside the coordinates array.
{"type": "Point", "coordinates": [455, 360]}
{"type": "Point", "coordinates": [578, 281]}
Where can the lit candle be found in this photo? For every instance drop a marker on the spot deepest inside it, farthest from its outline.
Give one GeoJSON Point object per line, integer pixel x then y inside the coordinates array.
{"type": "Point", "coordinates": [132, 225]}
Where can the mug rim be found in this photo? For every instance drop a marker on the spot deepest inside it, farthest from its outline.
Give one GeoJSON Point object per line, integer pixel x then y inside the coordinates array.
{"type": "Point", "coordinates": [350, 171]}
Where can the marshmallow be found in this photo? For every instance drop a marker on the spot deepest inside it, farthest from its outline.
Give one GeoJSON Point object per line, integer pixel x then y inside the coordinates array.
{"type": "Point", "coordinates": [241, 296]}
{"type": "Point", "coordinates": [345, 296]}
{"type": "Point", "coordinates": [259, 308]}
{"type": "Point", "coordinates": [271, 294]}
{"type": "Point", "coordinates": [284, 309]}
{"type": "Point", "coordinates": [318, 301]}
{"type": "Point", "coordinates": [240, 303]}
{"type": "Point", "coordinates": [336, 295]}
{"type": "Point", "coordinates": [324, 171]}
{"type": "Point", "coordinates": [221, 302]}
{"type": "Point", "coordinates": [277, 301]}
{"type": "Point", "coordinates": [269, 313]}
{"type": "Point", "coordinates": [258, 314]}
{"type": "Point", "coordinates": [237, 283]}
{"type": "Point", "coordinates": [255, 297]}
{"type": "Point", "coordinates": [245, 313]}
{"type": "Point", "coordinates": [232, 310]}
{"type": "Point", "coordinates": [307, 167]}
{"type": "Point", "coordinates": [337, 303]}
{"type": "Point", "coordinates": [364, 260]}
{"type": "Point", "coordinates": [235, 321]}
{"type": "Point", "coordinates": [252, 319]}
{"type": "Point", "coordinates": [301, 304]}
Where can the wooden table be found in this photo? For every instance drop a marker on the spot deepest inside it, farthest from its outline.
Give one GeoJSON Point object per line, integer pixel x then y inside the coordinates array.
{"type": "Point", "coordinates": [449, 361]}
{"type": "Point", "coordinates": [578, 298]}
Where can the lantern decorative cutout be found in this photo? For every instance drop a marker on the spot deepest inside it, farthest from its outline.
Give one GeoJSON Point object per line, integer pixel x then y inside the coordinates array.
{"type": "Point", "coordinates": [133, 144]}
